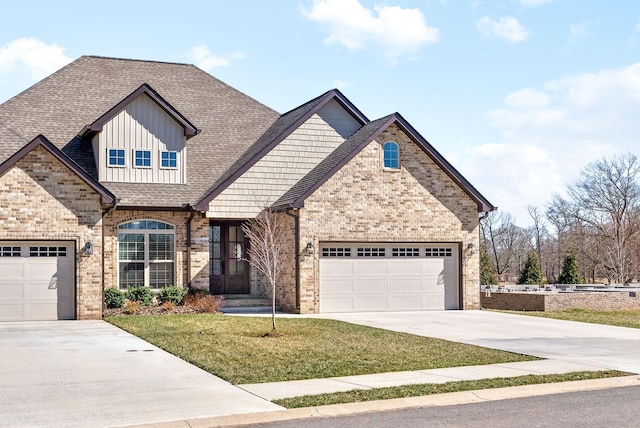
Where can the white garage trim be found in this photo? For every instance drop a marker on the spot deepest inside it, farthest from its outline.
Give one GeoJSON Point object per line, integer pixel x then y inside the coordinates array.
{"type": "Point", "coordinates": [37, 280]}
{"type": "Point", "coordinates": [362, 277]}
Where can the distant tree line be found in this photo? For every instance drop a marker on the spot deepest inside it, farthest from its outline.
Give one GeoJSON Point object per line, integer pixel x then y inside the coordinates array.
{"type": "Point", "coordinates": [590, 235]}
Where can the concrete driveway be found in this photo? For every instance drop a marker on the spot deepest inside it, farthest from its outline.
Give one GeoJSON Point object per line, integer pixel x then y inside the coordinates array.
{"type": "Point", "coordinates": [89, 373]}
{"type": "Point", "coordinates": [598, 346]}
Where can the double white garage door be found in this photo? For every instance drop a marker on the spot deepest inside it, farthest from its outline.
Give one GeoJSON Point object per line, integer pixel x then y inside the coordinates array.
{"type": "Point", "coordinates": [37, 280]}
{"type": "Point", "coordinates": [388, 277]}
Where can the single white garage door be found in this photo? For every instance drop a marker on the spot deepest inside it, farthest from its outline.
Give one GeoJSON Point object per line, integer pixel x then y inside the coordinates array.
{"type": "Point", "coordinates": [388, 277]}
{"type": "Point", "coordinates": [37, 281]}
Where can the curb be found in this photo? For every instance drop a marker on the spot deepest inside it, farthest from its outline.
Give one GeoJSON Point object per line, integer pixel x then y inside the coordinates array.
{"type": "Point", "coordinates": [447, 399]}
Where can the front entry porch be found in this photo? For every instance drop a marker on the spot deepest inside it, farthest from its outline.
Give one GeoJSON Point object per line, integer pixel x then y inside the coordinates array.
{"type": "Point", "coordinates": [229, 268]}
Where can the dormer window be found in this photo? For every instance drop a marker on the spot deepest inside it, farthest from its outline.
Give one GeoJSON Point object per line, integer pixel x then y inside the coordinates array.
{"type": "Point", "coordinates": [169, 160]}
{"type": "Point", "coordinates": [116, 157]}
{"type": "Point", "coordinates": [143, 158]}
{"type": "Point", "coordinates": [391, 155]}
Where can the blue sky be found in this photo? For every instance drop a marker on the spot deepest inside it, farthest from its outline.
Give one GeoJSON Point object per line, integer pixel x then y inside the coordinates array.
{"type": "Point", "coordinates": [520, 95]}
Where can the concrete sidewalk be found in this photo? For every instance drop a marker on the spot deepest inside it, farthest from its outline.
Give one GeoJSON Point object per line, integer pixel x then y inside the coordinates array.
{"type": "Point", "coordinates": [296, 388]}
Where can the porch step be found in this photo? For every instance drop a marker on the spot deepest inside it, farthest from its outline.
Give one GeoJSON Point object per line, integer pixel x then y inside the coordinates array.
{"type": "Point", "coordinates": [238, 305]}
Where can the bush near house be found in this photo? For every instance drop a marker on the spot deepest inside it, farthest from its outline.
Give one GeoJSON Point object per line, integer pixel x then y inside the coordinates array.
{"type": "Point", "coordinates": [172, 294]}
{"type": "Point", "coordinates": [141, 294]}
{"type": "Point", "coordinates": [113, 298]}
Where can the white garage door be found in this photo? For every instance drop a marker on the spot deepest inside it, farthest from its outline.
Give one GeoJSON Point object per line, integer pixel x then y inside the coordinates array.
{"type": "Point", "coordinates": [37, 281]}
{"type": "Point", "coordinates": [388, 277]}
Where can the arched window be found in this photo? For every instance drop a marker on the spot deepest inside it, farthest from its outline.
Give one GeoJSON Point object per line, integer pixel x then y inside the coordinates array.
{"type": "Point", "coordinates": [391, 155]}
{"type": "Point", "coordinates": [146, 254]}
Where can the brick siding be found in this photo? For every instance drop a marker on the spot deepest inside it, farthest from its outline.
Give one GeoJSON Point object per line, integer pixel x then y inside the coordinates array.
{"type": "Point", "coordinates": [42, 199]}
{"type": "Point", "coordinates": [362, 202]}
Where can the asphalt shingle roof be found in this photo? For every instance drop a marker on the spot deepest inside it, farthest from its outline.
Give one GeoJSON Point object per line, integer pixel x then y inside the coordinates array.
{"type": "Point", "coordinates": [60, 106]}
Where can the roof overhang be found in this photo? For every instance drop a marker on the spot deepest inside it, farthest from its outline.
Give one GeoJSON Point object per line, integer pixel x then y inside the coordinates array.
{"type": "Point", "coordinates": [106, 197]}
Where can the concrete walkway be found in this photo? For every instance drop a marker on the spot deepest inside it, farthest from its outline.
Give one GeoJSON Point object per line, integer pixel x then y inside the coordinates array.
{"type": "Point", "coordinates": [296, 388]}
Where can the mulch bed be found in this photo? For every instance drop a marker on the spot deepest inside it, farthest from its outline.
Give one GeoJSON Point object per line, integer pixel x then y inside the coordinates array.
{"type": "Point", "coordinates": [151, 310]}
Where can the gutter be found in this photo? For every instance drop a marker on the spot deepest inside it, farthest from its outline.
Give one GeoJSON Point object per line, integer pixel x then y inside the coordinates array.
{"type": "Point", "coordinates": [192, 214]}
{"type": "Point", "coordinates": [296, 220]}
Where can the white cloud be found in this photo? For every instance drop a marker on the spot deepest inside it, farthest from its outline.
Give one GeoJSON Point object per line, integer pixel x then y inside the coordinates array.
{"type": "Point", "coordinates": [507, 28]}
{"type": "Point", "coordinates": [204, 59]}
{"type": "Point", "coordinates": [546, 136]}
{"type": "Point", "coordinates": [37, 57]}
{"type": "Point", "coordinates": [578, 32]}
{"type": "Point", "coordinates": [527, 98]}
{"type": "Point", "coordinates": [397, 31]}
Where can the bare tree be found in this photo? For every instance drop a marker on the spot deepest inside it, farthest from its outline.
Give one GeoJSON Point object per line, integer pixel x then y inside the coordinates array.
{"type": "Point", "coordinates": [604, 205]}
{"type": "Point", "coordinates": [503, 241]}
{"type": "Point", "coordinates": [267, 249]}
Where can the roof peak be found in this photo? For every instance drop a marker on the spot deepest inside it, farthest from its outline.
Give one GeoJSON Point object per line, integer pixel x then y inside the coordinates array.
{"type": "Point", "coordinates": [111, 58]}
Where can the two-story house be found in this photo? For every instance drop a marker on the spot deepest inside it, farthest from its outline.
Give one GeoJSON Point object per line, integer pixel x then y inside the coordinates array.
{"type": "Point", "coordinates": [115, 173]}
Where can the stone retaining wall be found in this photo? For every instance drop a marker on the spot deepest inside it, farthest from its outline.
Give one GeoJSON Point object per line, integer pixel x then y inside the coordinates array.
{"type": "Point", "coordinates": [541, 301]}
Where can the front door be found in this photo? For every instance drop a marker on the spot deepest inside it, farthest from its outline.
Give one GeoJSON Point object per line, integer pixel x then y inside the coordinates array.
{"type": "Point", "coordinates": [229, 269]}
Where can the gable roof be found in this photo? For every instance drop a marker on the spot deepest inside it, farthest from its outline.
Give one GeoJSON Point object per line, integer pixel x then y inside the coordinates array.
{"type": "Point", "coordinates": [60, 105]}
{"type": "Point", "coordinates": [91, 129]}
{"type": "Point", "coordinates": [296, 196]}
{"type": "Point", "coordinates": [281, 129]}
{"type": "Point", "coordinates": [106, 197]}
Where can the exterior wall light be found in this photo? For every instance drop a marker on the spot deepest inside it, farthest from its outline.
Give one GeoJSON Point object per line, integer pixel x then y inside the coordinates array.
{"type": "Point", "coordinates": [310, 248]}
{"type": "Point", "coordinates": [471, 247]}
{"type": "Point", "coordinates": [88, 248]}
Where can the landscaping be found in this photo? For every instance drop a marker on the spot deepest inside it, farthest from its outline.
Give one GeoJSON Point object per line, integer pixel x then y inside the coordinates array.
{"type": "Point", "coordinates": [617, 318]}
{"type": "Point", "coordinates": [244, 350]}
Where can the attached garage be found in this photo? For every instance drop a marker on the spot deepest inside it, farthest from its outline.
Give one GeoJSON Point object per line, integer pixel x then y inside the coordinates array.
{"type": "Point", "coordinates": [364, 277]}
{"type": "Point", "coordinates": [37, 280]}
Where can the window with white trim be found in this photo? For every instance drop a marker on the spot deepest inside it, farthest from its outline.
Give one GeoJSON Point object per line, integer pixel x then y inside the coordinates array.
{"type": "Point", "coordinates": [438, 252]}
{"type": "Point", "coordinates": [142, 158]}
{"type": "Point", "coordinates": [405, 252]}
{"type": "Point", "coordinates": [146, 254]}
{"type": "Point", "coordinates": [116, 157]}
{"type": "Point", "coordinates": [391, 154]}
{"type": "Point", "coordinates": [47, 251]}
{"type": "Point", "coordinates": [371, 252]}
{"type": "Point", "coordinates": [336, 252]}
{"type": "Point", "coordinates": [10, 251]}
{"type": "Point", "coordinates": [168, 159]}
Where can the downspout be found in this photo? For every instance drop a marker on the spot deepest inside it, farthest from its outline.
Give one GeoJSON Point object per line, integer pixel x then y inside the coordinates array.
{"type": "Point", "coordinates": [104, 214]}
{"type": "Point", "coordinates": [191, 215]}
{"type": "Point", "coordinates": [296, 220]}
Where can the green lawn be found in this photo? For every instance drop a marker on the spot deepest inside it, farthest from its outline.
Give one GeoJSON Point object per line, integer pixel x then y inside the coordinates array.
{"type": "Point", "coordinates": [236, 348]}
{"type": "Point", "coordinates": [618, 318]}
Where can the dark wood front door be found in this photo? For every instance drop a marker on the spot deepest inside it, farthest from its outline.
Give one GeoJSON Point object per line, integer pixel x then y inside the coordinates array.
{"type": "Point", "coordinates": [229, 270]}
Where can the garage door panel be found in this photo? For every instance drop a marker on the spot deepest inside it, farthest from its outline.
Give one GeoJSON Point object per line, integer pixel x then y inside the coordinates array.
{"type": "Point", "coordinates": [38, 281]}
{"type": "Point", "coordinates": [405, 303]}
{"type": "Point", "coordinates": [405, 285]}
{"type": "Point", "coordinates": [373, 285]}
{"type": "Point", "coordinates": [11, 290]}
{"type": "Point", "coordinates": [425, 278]}
{"type": "Point", "coordinates": [12, 312]}
{"type": "Point", "coordinates": [369, 267]}
{"type": "Point", "coordinates": [370, 303]}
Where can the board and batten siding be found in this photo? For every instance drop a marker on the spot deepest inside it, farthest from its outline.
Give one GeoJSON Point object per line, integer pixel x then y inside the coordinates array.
{"type": "Point", "coordinates": [141, 125]}
{"type": "Point", "coordinates": [274, 174]}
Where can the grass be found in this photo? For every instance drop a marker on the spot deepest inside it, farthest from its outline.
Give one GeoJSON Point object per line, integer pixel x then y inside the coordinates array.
{"type": "Point", "coordinates": [237, 349]}
{"type": "Point", "coordinates": [429, 389]}
{"type": "Point", "coordinates": [617, 318]}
